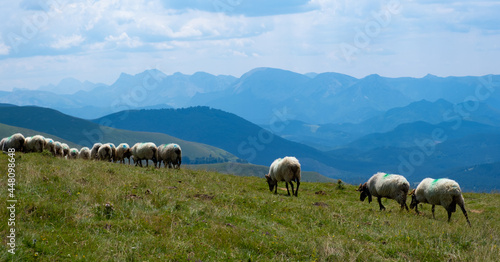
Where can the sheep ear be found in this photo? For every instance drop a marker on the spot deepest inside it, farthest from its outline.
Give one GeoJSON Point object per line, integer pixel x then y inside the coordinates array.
{"type": "Point", "coordinates": [267, 177]}
{"type": "Point", "coordinates": [359, 188]}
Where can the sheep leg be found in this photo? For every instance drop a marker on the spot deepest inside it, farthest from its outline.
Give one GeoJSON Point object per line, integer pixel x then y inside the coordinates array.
{"type": "Point", "coordinates": [276, 189]}
{"type": "Point", "coordinates": [286, 183]}
{"type": "Point", "coordinates": [434, 207]}
{"type": "Point", "coordinates": [297, 189]}
{"type": "Point", "coordinates": [382, 207]}
{"type": "Point", "coordinates": [293, 192]}
{"type": "Point", "coordinates": [465, 213]}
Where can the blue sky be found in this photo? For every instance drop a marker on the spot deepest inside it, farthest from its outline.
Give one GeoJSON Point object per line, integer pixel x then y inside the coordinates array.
{"type": "Point", "coordinates": [44, 41]}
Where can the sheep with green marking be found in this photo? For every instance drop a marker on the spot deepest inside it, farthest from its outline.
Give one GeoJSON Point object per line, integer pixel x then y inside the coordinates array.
{"type": "Point", "coordinates": [145, 151]}
{"type": "Point", "coordinates": [73, 153]}
{"type": "Point", "coordinates": [391, 186]}
{"type": "Point", "coordinates": [444, 192]}
{"type": "Point", "coordinates": [15, 141]}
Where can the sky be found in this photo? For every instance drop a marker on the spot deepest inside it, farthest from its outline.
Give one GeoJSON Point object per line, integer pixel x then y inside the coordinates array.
{"type": "Point", "coordinates": [45, 41]}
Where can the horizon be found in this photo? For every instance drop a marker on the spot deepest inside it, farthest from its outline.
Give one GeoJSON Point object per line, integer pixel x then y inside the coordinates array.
{"type": "Point", "coordinates": [96, 41]}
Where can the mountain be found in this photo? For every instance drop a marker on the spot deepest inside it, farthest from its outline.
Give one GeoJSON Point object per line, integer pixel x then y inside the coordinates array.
{"type": "Point", "coordinates": [85, 133]}
{"type": "Point", "coordinates": [69, 86]}
{"type": "Point", "coordinates": [489, 174]}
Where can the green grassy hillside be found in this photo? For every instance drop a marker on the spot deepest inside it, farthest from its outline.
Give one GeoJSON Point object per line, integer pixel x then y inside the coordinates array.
{"type": "Point", "coordinates": [240, 169]}
{"type": "Point", "coordinates": [187, 215]}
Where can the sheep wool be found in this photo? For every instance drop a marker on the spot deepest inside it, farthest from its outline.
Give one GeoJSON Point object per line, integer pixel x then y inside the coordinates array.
{"type": "Point", "coordinates": [284, 169]}
{"type": "Point", "coordinates": [444, 192]}
{"type": "Point", "coordinates": [170, 154]}
{"type": "Point", "coordinates": [391, 186]}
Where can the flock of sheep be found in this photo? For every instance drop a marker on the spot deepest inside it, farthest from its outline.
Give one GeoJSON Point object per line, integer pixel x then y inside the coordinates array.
{"type": "Point", "coordinates": [169, 154]}
{"type": "Point", "coordinates": [444, 192]}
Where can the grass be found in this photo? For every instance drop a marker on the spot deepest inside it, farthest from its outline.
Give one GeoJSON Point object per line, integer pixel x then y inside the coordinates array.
{"type": "Point", "coordinates": [96, 211]}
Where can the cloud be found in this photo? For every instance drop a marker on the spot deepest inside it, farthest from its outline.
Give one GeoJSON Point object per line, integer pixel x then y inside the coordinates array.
{"type": "Point", "coordinates": [4, 49]}
{"type": "Point", "coordinates": [65, 42]}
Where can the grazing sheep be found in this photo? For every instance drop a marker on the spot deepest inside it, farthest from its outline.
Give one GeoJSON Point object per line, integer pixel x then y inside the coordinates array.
{"type": "Point", "coordinates": [84, 153]}
{"type": "Point", "coordinates": [93, 151]}
{"type": "Point", "coordinates": [58, 149]}
{"type": "Point", "coordinates": [15, 141]}
{"type": "Point", "coordinates": [65, 149]}
{"type": "Point", "coordinates": [284, 169]}
{"type": "Point", "coordinates": [145, 151]}
{"type": "Point", "coordinates": [113, 151]}
{"type": "Point", "coordinates": [442, 191]}
{"type": "Point", "coordinates": [390, 186]}
{"type": "Point", "coordinates": [171, 155]}
{"type": "Point", "coordinates": [73, 153]}
{"type": "Point", "coordinates": [104, 152]}
{"type": "Point", "coordinates": [50, 146]}
{"type": "Point", "coordinates": [34, 144]}
{"type": "Point", "coordinates": [123, 151]}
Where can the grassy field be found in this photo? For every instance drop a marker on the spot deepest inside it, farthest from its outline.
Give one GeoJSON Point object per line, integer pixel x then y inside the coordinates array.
{"type": "Point", "coordinates": [95, 211]}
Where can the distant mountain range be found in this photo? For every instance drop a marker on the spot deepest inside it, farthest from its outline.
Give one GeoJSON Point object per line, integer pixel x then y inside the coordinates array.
{"type": "Point", "coordinates": [260, 94]}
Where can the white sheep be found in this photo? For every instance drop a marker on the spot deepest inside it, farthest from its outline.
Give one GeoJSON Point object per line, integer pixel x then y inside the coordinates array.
{"type": "Point", "coordinates": [50, 146]}
{"type": "Point", "coordinates": [65, 149]}
{"type": "Point", "coordinates": [84, 153]}
{"type": "Point", "coordinates": [34, 144]}
{"type": "Point", "coordinates": [284, 169]}
{"type": "Point", "coordinates": [104, 152]}
{"type": "Point", "coordinates": [2, 142]}
{"type": "Point", "coordinates": [442, 191]}
{"type": "Point", "coordinates": [73, 153]}
{"type": "Point", "coordinates": [145, 151]}
{"type": "Point", "coordinates": [170, 154]}
{"type": "Point", "coordinates": [113, 151]}
{"type": "Point", "coordinates": [123, 151]}
{"type": "Point", "coordinates": [15, 141]}
{"type": "Point", "coordinates": [93, 151]}
{"type": "Point", "coordinates": [390, 186]}
{"type": "Point", "coordinates": [58, 149]}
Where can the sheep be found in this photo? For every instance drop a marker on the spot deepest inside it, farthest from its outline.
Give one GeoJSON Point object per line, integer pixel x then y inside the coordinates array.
{"type": "Point", "coordinates": [442, 191]}
{"type": "Point", "coordinates": [65, 149]}
{"type": "Point", "coordinates": [58, 149]}
{"type": "Point", "coordinates": [2, 142]}
{"type": "Point", "coordinates": [122, 152]}
{"type": "Point", "coordinates": [15, 141]}
{"type": "Point", "coordinates": [34, 144]}
{"type": "Point", "coordinates": [73, 153]}
{"type": "Point", "coordinates": [49, 146]}
{"type": "Point", "coordinates": [93, 151]}
{"type": "Point", "coordinates": [113, 151]}
{"type": "Point", "coordinates": [104, 152]}
{"type": "Point", "coordinates": [145, 151]}
{"type": "Point", "coordinates": [84, 153]}
{"type": "Point", "coordinates": [284, 169]}
{"type": "Point", "coordinates": [391, 186]}
{"type": "Point", "coordinates": [171, 155]}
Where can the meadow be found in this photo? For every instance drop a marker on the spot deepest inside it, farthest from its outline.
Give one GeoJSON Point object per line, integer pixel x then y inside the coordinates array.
{"type": "Point", "coordinates": [97, 211]}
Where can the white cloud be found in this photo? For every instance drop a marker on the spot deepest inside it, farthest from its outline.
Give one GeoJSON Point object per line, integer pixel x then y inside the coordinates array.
{"type": "Point", "coordinates": [65, 42]}
{"type": "Point", "coordinates": [4, 49]}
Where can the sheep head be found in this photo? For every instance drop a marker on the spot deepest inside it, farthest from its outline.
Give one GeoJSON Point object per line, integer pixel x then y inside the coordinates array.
{"type": "Point", "coordinates": [363, 188]}
{"type": "Point", "coordinates": [272, 183]}
{"type": "Point", "coordinates": [414, 201]}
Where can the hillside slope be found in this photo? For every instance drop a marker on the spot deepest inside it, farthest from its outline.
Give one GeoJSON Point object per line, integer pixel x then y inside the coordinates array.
{"type": "Point", "coordinates": [98, 211]}
{"type": "Point", "coordinates": [86, 133]}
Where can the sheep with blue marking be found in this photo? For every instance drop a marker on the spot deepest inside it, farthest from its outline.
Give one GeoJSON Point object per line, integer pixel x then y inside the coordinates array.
{"type": "Point", "coordinates": [284, 169]}
{"type": "Point", "coordinates": [444, 192]}
{"type": "Point", "coordinates": [171, 155]}
{"type": "Point", "coordinates": [50, 146]}
{"type": "Point", "coordinates": [391, 186]}
{"type": "Point", "coordinates": [123, 151]}
{"type": "Point", "coordinates": [145, 151]}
